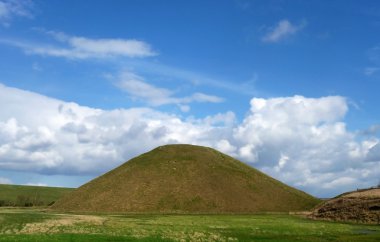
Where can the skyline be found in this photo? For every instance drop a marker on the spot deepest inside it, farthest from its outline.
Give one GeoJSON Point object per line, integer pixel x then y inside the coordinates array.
{"type": "Point", "coordinates": [290, 88]}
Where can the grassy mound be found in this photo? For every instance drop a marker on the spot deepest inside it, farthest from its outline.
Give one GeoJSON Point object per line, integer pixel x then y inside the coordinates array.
{"type": "Point", "coordinates": [185, 179]}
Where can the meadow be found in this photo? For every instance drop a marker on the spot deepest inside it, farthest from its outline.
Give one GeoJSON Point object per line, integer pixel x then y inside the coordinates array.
{"type": "Point", "coordinates": [27, 196]}
{"type": "Point", "coordinates": [31, 224]}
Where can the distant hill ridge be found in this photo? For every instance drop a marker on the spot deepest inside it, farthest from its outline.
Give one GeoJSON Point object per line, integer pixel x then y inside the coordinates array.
{"type": "Point", "coordinates": [185, 179]}
{"type": "Point", "coordinates": [28, 196]}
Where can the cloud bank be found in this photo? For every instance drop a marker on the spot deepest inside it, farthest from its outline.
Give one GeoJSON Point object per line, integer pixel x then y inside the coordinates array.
{"type": "Point", "coordinates": [301, 141]}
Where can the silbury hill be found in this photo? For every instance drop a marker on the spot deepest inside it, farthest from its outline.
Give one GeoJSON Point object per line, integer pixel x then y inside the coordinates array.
{"type": "Point", "coordinates": [185, 179]}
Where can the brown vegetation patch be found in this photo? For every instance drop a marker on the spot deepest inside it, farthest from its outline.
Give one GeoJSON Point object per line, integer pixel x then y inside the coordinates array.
{"type": "Point", "coordinates": [56, 224]}
{"type": "Point", "coordinates": [360, 206]}
{"type": "Point", "coordinates": [375, 193]}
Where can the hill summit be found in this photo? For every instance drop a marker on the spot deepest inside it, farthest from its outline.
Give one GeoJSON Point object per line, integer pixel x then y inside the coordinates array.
{"type": "Point", "coordinates": [185, 179]}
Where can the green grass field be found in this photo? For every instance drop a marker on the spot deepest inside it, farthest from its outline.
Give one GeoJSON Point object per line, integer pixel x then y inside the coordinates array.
{"type": "Point", "coordinates": [42, 225]}
{"type": "Point", "coordinates": [17, 195]}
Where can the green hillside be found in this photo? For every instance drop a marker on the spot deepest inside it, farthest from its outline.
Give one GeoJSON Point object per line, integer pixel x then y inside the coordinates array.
{"type": "Point", "coordinates": [185, 179]}
{"type": "Point", "coordinates": [17, 195]}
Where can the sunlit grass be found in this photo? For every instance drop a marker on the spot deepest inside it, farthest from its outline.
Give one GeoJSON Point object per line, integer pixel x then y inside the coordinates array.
{"type": "Point", "coordinates": [38, 225]}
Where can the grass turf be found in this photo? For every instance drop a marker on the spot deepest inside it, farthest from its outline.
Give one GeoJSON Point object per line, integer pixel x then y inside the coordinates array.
{"type": "Point", "coordinates": [39, 225]}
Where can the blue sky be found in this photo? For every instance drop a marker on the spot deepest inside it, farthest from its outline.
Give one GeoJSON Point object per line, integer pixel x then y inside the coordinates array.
{"type": "Point", "coordinates": [290, 87]}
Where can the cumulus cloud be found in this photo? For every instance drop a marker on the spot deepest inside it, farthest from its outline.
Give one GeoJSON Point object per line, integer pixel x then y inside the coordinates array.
{"type": "Point", "coordinates": [301, 141]}
{"type": "Point", "coordinates": [14, 8]}
{"type": "Point", "coordinates": [50, 136]}
{"type": "Point", "coordinates": [138, 89]}
{"type": "Point", "coordinates": [77, 47]}
{"type": "Point", "coordinates": [282, 30]}
{"type": "Point", "coordinates": [274, 125]}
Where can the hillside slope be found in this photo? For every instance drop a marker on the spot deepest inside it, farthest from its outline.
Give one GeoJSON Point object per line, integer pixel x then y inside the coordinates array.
{"type": "Point", "coordinates": [185, 178]}
{"type": "Point", "coordinates": [18, 195]}
{"type": "Point", "coordinates": [361, 206]}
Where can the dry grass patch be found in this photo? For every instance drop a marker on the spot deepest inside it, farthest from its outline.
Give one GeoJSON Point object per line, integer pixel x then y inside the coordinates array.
{"type": "Point", "coordinates": [62, 222]}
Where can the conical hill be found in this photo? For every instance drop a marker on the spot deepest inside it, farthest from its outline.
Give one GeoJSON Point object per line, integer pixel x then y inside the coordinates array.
{"type": "Point", "coordinates": [185, 179]}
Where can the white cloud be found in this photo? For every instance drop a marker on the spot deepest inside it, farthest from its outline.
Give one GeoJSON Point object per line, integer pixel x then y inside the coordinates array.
{"type": "Point", "coordinates": [282, 30]}
{"type": "Point", "coordinates": [301, 141]}
{"type": "Point", "coordinates": [75, 50]}
{"type": "Point", "coordinates": [184, 108]}
{"type": "Point", "coordinates": [225, 147]}
{"type": "Point", "coordinates": [202, 98]}
{"type": "Point", "coordinates": [46, 135]}
{"type": "Point", "coordinates": [341, 181]}
{"type": "Point", "coordinates": [4, 180]}
{"type": "Point", "coordinates": [111, 47]}
{"type": "Point", "coordinates": [77, 47]}
{"type": "Point", "coordinates": [287, 125]}
{"type": "Point", "coordinates": [138, 89]}
{"type": "Point", "coordinates": [36, 184]}
{"type": "Point", "coordinates": [14, 8]}
{"type": "Point", "coordinates": [310, 133]}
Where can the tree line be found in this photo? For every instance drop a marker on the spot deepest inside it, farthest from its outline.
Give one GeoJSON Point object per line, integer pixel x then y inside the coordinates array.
{"type": "Point", "coordinates": [25, 201]}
